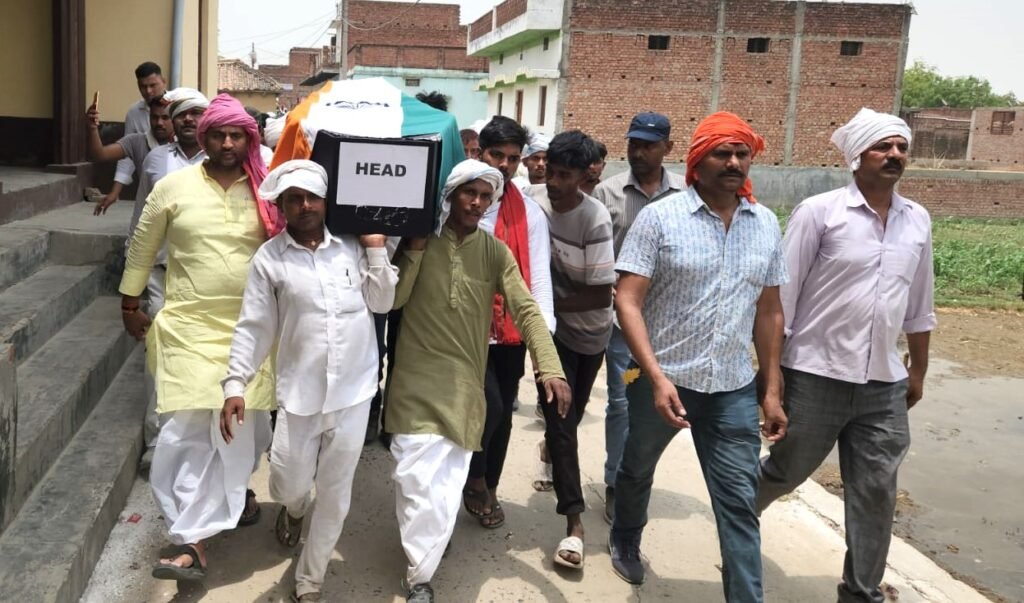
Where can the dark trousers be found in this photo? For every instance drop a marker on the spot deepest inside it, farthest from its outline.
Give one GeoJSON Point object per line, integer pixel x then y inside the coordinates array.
{"type": "Point", "coordinates": [387, 337]}
{"type": "Point", "coordinates": [505, 367]}
{"type": "Point", "coordinates": [560, 432]}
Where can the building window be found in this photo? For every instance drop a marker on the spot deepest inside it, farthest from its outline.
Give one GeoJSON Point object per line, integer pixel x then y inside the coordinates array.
{"type": "Point", "coordinates": [1002, 122]}
{"type": "Point", "coordinates": [542, 110]}
{"type": "Point", "coordinates": [657, 42]}
{"type": "Point", "coordinates": [546, 42]}
{"type": "Point", "coordinates": [851, 49]}
{"type": "Point", "coordinates": [501, 59]}
{"type": "Point", "coordinates": [519, 106]}
{"type": "Point", "coordinates": [500, 98]}
{"type": "Point", "coordinates": [757, 45]}
{"type": "Point", "coordinates": [412, 82]}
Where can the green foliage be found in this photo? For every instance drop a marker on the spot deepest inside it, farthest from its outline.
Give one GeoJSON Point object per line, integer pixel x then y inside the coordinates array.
{"type": "Point", "coordinates": [924, 86]}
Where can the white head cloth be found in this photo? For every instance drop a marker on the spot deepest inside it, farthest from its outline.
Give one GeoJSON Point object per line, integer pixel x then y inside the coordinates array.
{"type": "Point", "coordinates": [467, 171]}
{"type": "Point", "coordinates": [183, 99]}
{"type": "Point", "coordinates": [300, 173]}
{"type": "Point", "coordinates": [865, 129]}
{"type": "Point", "coordinates": [272, 131]}
{"type": "Point", "coordinates": [538, 142]}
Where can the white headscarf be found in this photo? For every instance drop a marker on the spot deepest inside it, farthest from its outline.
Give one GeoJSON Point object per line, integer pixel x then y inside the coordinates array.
{"type": "Point", "coordinates": [300, 173]}
{"type": "Point", "coordinates": [538, 142]}
{"type": "Point", "coordinates": [865, 129]}
{"type": "Point", "coordinates": [467, 171]}
{"type": "Point", "coordinates": [272, 130]}
{"type": "Point", "coordinates": [183, 99]}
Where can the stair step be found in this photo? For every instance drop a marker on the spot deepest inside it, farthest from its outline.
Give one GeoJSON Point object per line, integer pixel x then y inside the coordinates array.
{"type": "Point", "coordinates": [52, 546]}
{"type": "Point", "coordinates": [88, 353]}
{"type": "Point", "coordinates": [22, 252]}
{"type": "Point", "coordinates": [32, 310]}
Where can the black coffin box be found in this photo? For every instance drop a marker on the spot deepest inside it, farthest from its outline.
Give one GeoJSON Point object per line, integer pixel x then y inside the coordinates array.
{"type": "Point", "coordinates": [380, 185]}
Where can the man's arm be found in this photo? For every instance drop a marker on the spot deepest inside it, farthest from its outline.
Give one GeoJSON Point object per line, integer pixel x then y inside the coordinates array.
{"type": "Point", "coordinates": [920, 320]}
{"type": "Point", "coordinates": [599, 267]}
{"type": "Point", "coordinates": [918, 347]}
{"type": "Point", "coordinates": [409, 261]}
{"type": "Point", "coordinates": [800, 248]}
{"type": "Point", "coordinates": [379, 277]}
{"type": "Point", "coordinates": [768, 326]}
{"type": "Point", "coordinates": [539, 238]}
{"type": "Point", "coordinates": [95, 149]}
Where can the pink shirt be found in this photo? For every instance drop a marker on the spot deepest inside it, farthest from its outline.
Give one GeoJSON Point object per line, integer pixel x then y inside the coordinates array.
{"type": "Point", "coordinates": [854, 285]}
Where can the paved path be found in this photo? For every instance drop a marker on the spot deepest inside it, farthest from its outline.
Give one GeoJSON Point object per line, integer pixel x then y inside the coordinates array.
{"type": "Point", "coordinates": [802, 543]}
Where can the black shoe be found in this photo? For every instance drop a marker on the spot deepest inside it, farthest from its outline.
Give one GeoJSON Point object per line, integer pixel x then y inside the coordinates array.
{"type": "Point", "coordinates": [609, 504]}
{"type": "Point", "coordinates": [372, 426]}
{"type": "Point", "coordinates": [625, 552]}
{"type": "Point", "coordinates": [420, 593]}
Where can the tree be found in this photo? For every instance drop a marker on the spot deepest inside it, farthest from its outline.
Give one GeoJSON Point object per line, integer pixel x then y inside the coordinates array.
{"type": "Point", "coordinates": [924, 86]}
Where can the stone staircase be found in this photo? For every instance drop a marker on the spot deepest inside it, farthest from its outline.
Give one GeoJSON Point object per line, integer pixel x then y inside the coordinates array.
{"type": "Point", "coordinates": [71, 398]}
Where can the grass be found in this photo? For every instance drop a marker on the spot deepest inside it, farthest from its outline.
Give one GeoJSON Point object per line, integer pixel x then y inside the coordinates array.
{"type": "Point", "coordinates": [979, 263]}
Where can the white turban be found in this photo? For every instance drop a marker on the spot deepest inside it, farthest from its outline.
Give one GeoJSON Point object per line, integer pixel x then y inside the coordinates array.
{"type": "Point", "coordinates": [467, 171]}
{"type": "Point", "coordinates": [300, 173]}
{"type": "Point", "coordinates": [183, 99]}
{"type": "Point", "coordinates": [272, 130]}
{"type": "Point", "coordinates": [538, 143]}
{"type": "Point", "coordinates": [865, 129]}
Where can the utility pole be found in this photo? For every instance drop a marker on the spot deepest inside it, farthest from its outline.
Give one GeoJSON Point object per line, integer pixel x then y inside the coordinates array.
{"type": "Point", "coordinates": [252, 56]}
{"type": "Point", "coordinates": [340, 25]}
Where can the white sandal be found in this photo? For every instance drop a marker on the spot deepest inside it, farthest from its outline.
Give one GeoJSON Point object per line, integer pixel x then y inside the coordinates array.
{"type": "Point", "coordinates": [569, 544]}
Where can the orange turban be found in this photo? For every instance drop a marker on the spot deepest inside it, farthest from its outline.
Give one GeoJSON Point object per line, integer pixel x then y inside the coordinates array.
{"type": "Point", "coordinates": [721, 128]}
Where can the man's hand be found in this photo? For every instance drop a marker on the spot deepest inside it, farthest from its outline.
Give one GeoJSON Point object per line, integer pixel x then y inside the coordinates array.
{"type": "Point", "coordinates": [136, 323]}
{"type": "Point", "coordinates": [668, 404]}
{"type": "Point", "coordinates": [915, 388]}
{"type": "Point", "coordinates": [775, 420]}
{"type": "Point", "coordinates": [416, 243]}
{"type": "Point", "coordinates": [372, 240]}
{"type": "Point", "coordinates": [234, 405]}
{"type": "Point", "coordinates": [103, 204]}
{"type": "Point", "coordinates": [92, 117]}
{"type": "Point", "coordinates": [558, 391]}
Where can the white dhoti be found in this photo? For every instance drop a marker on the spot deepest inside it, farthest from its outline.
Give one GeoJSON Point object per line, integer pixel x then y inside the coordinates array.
{"type": "Point", "coordinates": [321, 449]}
{"type": "Point", "coordinates": [198, 480]}
{"type": "Point", "coordinates": [155, 291]}
{"type": "Point", "coordinates": [430, 473]}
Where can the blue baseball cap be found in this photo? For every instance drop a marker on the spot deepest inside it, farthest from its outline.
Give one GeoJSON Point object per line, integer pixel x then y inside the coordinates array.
{"type": "Point", "coordinates": [649, 126]}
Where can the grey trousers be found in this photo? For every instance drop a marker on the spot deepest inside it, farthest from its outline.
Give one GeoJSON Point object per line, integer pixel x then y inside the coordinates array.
{"type": "Point", "coordinates": [869, 421]}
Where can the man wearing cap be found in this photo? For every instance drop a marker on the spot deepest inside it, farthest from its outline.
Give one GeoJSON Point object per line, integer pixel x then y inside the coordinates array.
{"type": "Point", "coordinates": [435, 400]}
{"type": "Point", "coordinates": [861, 264]}
{"type": "Point", "coordinates": [699, 275]}
{"type": "Point", "coordinates": [311, 293]}
{"type": "Point", "coordinates": [625, 194]}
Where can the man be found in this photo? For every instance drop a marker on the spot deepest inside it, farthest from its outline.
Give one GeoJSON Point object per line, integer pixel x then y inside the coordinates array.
{"type": "Point", "coordinates": [861, 264]}
{"type": "Point", "coordinates": [582, 272]}
{"type": "Point", "coordinates": [435, 399]}
{"type": "Point", "coordinates": [212, 222]}
{"type": "Point", "coordinates": [151, 84]}
{"type": "Point", "coordinates": [310, 295]}
{"type": "Point", "coordinates": [595, 170]}
{"type": "Point", "coordinates": [519, 222]}
{"type": "Point", "coordinates": [699, 273]}
{"type": "Point", "coordinates": [470, 143]}
{"type": "Point", "coordinates": [534, 157]}
{"type": "Point", "coordinates": [134, 147]}
{"type": "Point", "coordinates": [625, 194]}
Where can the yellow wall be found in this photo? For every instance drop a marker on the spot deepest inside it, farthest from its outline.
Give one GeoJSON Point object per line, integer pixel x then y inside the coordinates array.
{"type": "Point", "coordinates": [26, 59]}
{"type": "Point", "coordinates": [264, 101]}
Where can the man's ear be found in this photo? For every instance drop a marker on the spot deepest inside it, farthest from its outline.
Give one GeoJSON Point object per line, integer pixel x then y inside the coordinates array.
{"type": "Point", "coordinates": [668, 146]}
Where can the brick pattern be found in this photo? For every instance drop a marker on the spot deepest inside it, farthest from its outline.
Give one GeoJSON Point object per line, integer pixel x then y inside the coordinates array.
{"type": "Point", "coordinates": [302, 63]}
{"type": "Point", "coordinates": [939, 134]}
{"type": "Point", "coordinates": [999, 151]}
{"type": "Point", "coordinates": [968, 198]}
{"type": "Point", "coordinates": [508, 10]}
{"type": "Point", "coordinates": [481, 26]}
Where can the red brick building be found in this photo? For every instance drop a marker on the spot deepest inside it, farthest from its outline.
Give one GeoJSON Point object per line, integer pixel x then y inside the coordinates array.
{"type": "Point", "coordinates": [795, 70]}
{"type": "Point", "coordinates": [302, 63]}
{"type": "Point", "coordinates": [997, 138]}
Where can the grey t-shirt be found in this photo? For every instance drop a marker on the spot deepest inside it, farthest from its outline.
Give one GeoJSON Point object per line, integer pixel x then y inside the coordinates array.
{"type": "Point", "coordinates": [582, 254]}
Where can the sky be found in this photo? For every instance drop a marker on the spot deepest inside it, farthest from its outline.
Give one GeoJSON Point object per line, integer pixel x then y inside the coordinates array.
{"type": "Point", "coordinates": [958, 37]}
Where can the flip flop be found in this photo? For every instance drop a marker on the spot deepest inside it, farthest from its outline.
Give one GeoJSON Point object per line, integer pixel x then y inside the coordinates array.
{"type": "Point", "coordinates": [569, 544]}
{"type": "Point", "coordinates": [481, 496]}
{"type": "Point", "coordinates": [495, 520]}
{"type": "Point", "coordinates": [288, 529]}
{"type": "Point", "coordinates": [169, 571]}
{"type": "Point", "coordinates": [252, 518]}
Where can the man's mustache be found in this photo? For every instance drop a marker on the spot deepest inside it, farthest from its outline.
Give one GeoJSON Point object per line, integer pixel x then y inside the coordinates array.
{"type": "Point", "coordinates": [892, 163]}
{"type": "Point", "coordinates": [736, 173]}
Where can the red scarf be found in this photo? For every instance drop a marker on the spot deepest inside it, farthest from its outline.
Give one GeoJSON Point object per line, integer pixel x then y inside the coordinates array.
{"type": "Point", "coordinates": [511, 229]}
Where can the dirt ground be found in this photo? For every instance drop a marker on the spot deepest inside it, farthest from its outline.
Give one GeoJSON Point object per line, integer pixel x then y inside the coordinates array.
{"type": "Point", "coordinates": [982, 343]}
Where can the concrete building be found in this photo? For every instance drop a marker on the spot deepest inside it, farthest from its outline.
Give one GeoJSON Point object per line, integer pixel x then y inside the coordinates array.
{"type": "Point", "coordinates": [249, 86]}
{"type": "Point", "coordinates": [794, 69]}
{"type": "Point", "coordinates": [302, 64]}
{"type": "Point", "coordinates": [56, 54]}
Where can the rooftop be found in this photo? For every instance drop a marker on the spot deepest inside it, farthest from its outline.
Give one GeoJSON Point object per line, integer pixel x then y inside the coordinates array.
{"type": "Point", "coordinates": [235, 76]}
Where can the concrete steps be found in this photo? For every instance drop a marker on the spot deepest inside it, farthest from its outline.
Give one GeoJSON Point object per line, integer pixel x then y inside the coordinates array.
{"type": "Point", "coordinates": [51, 547]}
{"type": "Point", "coordinates": [22, 252]}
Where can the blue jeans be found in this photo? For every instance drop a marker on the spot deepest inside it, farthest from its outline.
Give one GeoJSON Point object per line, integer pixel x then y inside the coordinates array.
{"type": "Point", "coordinates": [725, 435]}
{"type": "Point", "coordinates": [616, 414]}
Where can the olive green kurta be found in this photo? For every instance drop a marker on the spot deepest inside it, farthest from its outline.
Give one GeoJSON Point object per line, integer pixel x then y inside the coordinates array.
{"type": "Point", "coordinates": [447, 291]}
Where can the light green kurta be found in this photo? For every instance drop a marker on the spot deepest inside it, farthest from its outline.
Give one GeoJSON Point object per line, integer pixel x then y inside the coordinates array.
{"type": "Point", "coordinates": [211, 236]}
{"type": "Point", "coordinates": [447, 292]}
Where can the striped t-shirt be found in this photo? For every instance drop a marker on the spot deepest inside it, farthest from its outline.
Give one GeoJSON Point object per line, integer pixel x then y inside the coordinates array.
{"type": "Point", "coordinates": [582, 254]}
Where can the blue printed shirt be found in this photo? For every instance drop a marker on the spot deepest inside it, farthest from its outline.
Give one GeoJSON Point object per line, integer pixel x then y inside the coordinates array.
{"type": "Point", "coordinates": [705, 283]}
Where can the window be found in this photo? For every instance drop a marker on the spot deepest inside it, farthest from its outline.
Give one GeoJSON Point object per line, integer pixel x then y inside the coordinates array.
{"type": "Point", "coordinates": [657, 42]}
{"type": "Point", "coordinates": [519, 106]}
{"type": "Point", "coordinates": [1002, 122]}
{"type": "Point", "coordinates": [546, 42]}
{"type": "Point", "coordinates": [851, 49]}
{"type": "Point", "coordinates": [757, 45]}
{"type": "Point", "coordinates": [542, 110]}
{"type": "Point", "coordinates": [500, 98]}
{"type": "Point", "coordinates": [412, 82]}
{"type": "Point", "coordinates": [501, 59]}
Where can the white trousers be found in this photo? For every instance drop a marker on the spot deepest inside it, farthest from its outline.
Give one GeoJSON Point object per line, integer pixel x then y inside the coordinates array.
{"type": "Point", "coordinates": [430, 473]}
{"type": "Point", "coordinates": [322, 450]}
{"type": "Point", "coordinates": [198, 480]}
{"type": "Point", "coordinates": [155, 290]}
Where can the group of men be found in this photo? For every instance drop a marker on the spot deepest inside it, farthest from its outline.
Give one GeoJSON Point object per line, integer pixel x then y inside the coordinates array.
{"type": "Point", "coordinates": [665, 279]}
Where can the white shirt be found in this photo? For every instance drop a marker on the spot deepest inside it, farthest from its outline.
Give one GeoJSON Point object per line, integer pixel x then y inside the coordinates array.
{"type": "Point", "coordinates": [161, 161]}
{"type": "Point", "coordinates": [539, 240]}
{"type": "Point", "coordinates": [316, 305]}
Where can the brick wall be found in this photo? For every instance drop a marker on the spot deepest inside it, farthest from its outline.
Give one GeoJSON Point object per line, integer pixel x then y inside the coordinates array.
{"type": "Point", "coordinates": [302, 63]}
{"type": "Point", "coordinates": [968, 196]}
{"type": "Point", "coordinates": [999, 151]}
{"type": "Point", "coordinates": [612, 73]}
{"type": "Point", "coordinates": [481, 26]}
{"type": "Point", "coordinates": [939, 134]}
{"type": "Point", "coordinates": [508, 10]}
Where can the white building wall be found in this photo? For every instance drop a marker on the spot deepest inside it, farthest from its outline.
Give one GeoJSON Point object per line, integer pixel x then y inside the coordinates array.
{"type": "Point", "coordinates": [527, 59]}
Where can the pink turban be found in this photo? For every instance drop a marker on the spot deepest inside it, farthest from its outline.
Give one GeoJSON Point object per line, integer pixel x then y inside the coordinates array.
{"type": "Point", "coordinates": [225, 110]}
